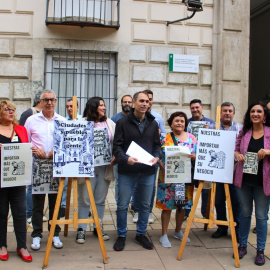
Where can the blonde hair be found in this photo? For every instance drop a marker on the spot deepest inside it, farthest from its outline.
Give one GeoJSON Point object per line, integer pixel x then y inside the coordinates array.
{"type": "Point", "coordinates": [10, 105]}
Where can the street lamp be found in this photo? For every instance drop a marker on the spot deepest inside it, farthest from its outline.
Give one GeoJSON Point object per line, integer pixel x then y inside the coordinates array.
{"type": "Point", "coordinates": [192, 5]}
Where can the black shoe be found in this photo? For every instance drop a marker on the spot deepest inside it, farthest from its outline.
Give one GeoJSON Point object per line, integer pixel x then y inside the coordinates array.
{"type": "Point", "coordinates": [219, 233]}
{"type": "Point", "coordinates": [254, 230]}
{"type": "Point", "coordinates": [143, 240]}
{"type": "Point", "coordinates": [89, 214]}
{"type": "Point", "coordinates": [62, 212]}
{"type": "Point", "coordinates": [80, 238]}
{"type": "Point", "coordinates": [119, 245]}
{"type": "Point", "coordinates": [105, 235]}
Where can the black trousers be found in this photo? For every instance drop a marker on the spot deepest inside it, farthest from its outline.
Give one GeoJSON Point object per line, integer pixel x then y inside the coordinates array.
{"type": "Point", "coordinates": [15, 197]}
{"type": "Point", "coordinates": [37, 214]}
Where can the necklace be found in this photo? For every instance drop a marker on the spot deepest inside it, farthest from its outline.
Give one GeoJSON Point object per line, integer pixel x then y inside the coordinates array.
{"type": "Point", "coordinates": [9, 127]}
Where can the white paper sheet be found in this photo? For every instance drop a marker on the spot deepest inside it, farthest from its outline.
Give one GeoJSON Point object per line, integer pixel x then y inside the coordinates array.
{"type": "Point", "coordinates": [138, 152]}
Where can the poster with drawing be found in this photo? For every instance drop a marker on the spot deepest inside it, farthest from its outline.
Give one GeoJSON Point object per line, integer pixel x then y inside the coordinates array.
{"type": "Point", "coordinates": [177, 164]}
{"type": "Point", "coordinates": [215, 155]}
{"type": "Point", "coordinates": [16, 164]}
{"type": "Point", "coordinates": [43, 180]}
{"type": "Point", "coordinates": [103, 150]}
{"type": "Point", "coordinates": [251, 164]}
{"type": "Point", "coordinates": [73, 149]}
{"type": "Point", "coordinates": [194, 126]}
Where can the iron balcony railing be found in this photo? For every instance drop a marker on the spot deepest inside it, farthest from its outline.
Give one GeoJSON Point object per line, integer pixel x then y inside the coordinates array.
{"type": "Point", "coordinates": [99, 13]}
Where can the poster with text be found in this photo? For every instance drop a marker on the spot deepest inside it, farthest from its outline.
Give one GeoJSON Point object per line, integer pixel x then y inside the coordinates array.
{"type": "Point", "coordinates": [215, 155]}
{"type": "Point", "coordinates": [73, 149]}
{"type": "Point", "coordinates": [43, 180]}
{"type": "Point", "coordinates": [177, 164]}
{"type": "Point", "coordinates": [251, 164]}
{"type": "Point", "coordinates": [16, 164]}
{"type": "Point", "coordinates": [194, 126]}
{"type": "Point", "coordinates": [103, 150]}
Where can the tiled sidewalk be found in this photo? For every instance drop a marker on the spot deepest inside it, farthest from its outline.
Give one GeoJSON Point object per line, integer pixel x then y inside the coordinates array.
{"type": "Point", "coordinates": [203, 252]}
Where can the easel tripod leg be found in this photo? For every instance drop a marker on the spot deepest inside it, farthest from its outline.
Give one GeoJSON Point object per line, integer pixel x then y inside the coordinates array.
{"type": "Point", "coordinates": [190, 220]}
{"type": "Point", "coordinates": [96, 220]}
{"type": "Point", "coordinates": [53, 223]}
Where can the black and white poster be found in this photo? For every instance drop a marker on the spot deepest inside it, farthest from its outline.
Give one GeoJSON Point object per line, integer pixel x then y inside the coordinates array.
{"type": "Point", "coordinates": [73, 149]}
{"type": "Point", "coordinates": [43, 180]}
{"type": "Point", "coordinates": [251, 164]}
{"type": "Point", "coordinates": [215, 155]}
{"type": "Point", "coordinates": [194, 126]}
{"type": "Point", "coordinates": [177, 164]}
{"type": "Point", "coordinates": [103, 150]}
{"type": "Point", "coordinates": [16, 164]}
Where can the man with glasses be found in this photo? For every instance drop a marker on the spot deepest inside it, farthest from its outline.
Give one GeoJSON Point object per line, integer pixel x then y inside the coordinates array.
{"type": "Point", "coordinates": [40, 128]}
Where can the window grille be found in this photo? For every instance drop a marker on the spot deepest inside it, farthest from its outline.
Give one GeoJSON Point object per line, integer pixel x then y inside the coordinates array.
{"type": "Point", "coordinates": [83, 73]}
{"type": "Point", "coordinates": [103, 13]}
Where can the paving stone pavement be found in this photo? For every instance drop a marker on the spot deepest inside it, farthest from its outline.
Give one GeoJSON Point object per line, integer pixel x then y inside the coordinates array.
{"type": "Point", "coordinates": [203, 252]}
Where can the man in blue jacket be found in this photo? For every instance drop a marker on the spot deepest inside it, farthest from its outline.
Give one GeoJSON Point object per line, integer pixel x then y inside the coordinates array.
{"type": "Point", "coordinates": [139, 126]}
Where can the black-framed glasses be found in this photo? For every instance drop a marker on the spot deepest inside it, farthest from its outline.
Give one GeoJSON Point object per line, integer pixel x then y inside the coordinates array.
{"type": "Point", "coordinates": [46, 100]}
{"type": "Point", "coordinates": [7, 109]}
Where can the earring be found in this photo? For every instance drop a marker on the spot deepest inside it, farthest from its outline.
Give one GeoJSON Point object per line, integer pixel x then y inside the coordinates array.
{"type": "Point", "coordinates": [264, 120]}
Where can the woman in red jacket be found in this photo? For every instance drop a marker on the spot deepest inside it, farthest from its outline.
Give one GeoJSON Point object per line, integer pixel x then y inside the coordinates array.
{"type": "Point", "coordinates": [10, 132]}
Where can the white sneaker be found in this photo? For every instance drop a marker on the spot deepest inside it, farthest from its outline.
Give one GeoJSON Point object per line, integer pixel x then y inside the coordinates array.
{"type": "Point", "coordinates": [180, 235]}
{"type": "Point", "coordinates": [57, 242]}
{"type": "Point", "coordinates": [164, 241]}
{"type": "Point", "coordinates": [44, 219]}
{"type": "Point", "coordinates": [151, 218]}
{"type": "Point", "coordinates": [36, 243]}
{"type": "Point", "coordinates": [135, 217]}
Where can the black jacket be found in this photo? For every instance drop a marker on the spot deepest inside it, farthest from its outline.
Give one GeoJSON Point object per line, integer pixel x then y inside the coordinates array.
{"type": "Point", "coordinates": [127, 131]}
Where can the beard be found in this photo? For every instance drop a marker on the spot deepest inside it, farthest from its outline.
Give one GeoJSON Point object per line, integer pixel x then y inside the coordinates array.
{"type": "Point", "coordinates": [126, 109]}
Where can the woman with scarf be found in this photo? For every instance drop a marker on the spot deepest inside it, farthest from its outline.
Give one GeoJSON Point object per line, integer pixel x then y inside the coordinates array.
{"type": "Point", "coordinates": [168, 197]}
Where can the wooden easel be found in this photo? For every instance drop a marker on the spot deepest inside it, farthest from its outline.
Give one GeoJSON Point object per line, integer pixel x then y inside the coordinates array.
{"type": "Point", "coordinates": [211, 221]}
{"type": "Point", "coordinates": [75, 221]}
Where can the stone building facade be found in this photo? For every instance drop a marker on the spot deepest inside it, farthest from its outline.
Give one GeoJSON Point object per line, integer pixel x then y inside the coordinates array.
{"type": "Point", "coordinates": [219, 36]}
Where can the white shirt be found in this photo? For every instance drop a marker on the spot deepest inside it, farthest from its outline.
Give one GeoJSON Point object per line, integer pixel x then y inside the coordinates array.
{"type": "Point", "coordinates": [40, 130]}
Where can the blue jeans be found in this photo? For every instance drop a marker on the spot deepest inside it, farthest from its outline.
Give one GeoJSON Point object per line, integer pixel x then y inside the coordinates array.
{"type": "Point", "coordinates": [64, 195]}
{"type": "Point", "coordinates": [29, 201]}
{"type": "Point", "coordinates": [220, 204]}
{"type": "Point", "coordinates": [136, 195]}
{"type": "Point", "coordinates": [246, 194]}
{"type": "Point", "coordinates": [126, 185]}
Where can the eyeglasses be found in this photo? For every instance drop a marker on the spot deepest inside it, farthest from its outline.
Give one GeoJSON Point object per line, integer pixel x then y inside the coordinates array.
{"type": "Point", "coordinates": [46, 100]}
{"type": "Point", "coordinates": [9, 109]}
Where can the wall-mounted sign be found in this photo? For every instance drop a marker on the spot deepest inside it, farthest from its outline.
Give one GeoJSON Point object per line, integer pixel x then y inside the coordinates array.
{"type": "Point", "coordinates": [184, 63]}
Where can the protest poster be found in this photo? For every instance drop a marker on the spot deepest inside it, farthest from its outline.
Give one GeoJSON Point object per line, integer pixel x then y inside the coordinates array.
{"type": "Point", "coordinates": [73, 149]}
{"type": "Point", "coordinates": [43, 180]}
{"type": "Point", "coordinates": [215, 155]}
{"type": "Point", "coordinates": [16, 164]}
{"type": "Point", "coordinates": [103, 150]}
{"type": "Point", "coordinates": [177, 164]}
{"type": "Point", "coordinates": [194, 126]}
{"type": "Point", "coordinates": [251, 164]}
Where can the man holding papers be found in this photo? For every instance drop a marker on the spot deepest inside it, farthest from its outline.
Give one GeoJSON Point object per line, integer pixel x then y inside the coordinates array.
{"type": "Point", "coordinates": [140, 128]}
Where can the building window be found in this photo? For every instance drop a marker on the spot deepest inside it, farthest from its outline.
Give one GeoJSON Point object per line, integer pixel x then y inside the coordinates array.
{"type": "Point", "coordinates": [103, 13]}
{"type": "Point", "coordinates": [82, 73]}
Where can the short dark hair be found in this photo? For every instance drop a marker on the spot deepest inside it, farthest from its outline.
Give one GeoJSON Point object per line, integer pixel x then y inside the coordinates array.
{"type": "Point", "coordinates": [135, 96]}
{"type": "Point", "coordinates": [229, 104]}
{"type": "Point", "coordinates": [247, 124]}
{"type": "Point", "coordinates": [70, 99]}
{"type": "Point", "coordinates": [175, 114]}
{"type": "Point", "coordinates": [266, 101]}
{"type": "Point", "coordinates": [125, 96]}
{"type": "Point", "coordinates": [195, 101]}
{"type": "Point", "coordinates": [90, 111]}
{"type": "Point", "coordinates": [148, 92]}
{"type": "Point", "coordinates": [36, 99]}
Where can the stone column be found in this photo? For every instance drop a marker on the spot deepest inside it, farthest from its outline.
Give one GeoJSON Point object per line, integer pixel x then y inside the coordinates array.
{"type": "Point", "coordinates": [231, 54]}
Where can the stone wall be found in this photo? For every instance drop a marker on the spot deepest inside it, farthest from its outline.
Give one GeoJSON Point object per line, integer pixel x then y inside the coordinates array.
{"type": "Point", "coordinates": [143, 42]}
